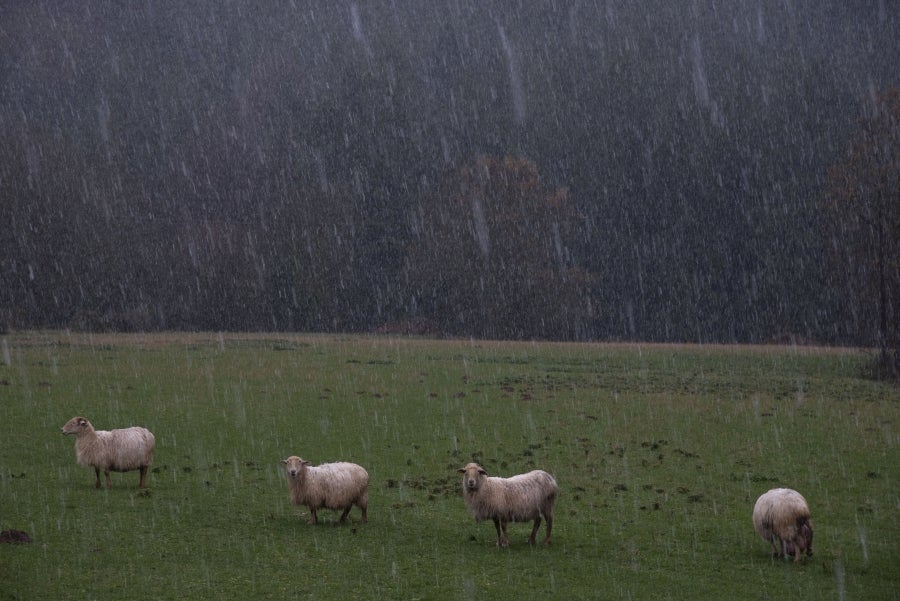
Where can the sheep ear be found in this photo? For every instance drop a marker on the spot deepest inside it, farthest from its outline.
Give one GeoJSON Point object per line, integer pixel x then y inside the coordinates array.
{"type": "Point", "coordinates": [482, 471]}
{"type": "Point", "coordinates": [284, 462]}
{"type": "Point", "coordinates": [82, 421]}
{"type": "Point", "coordinates": [461, 470]}
{"type": "Point", "coordinates": [304, 462]}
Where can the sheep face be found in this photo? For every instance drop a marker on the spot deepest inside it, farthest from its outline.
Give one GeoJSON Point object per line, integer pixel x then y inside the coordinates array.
{"type": "Point", "coordinates": [76, 426]}
{"type": "Point", "coordinates": [802, 543]}
{"type": "Point", "coordinates": [473, 476]}
{"type": "Point", "coordinates": [294, 467]}
{"type": "Point", "coordinates": [804, 540]}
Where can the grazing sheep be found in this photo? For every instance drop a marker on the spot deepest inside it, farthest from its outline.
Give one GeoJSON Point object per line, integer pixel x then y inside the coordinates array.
{"type": "Point", "coordinates": [782, 515]}
{"type": "Point", "coordinates": [520, 498]}
{"type": "Point", "coordinates": [330, 485]}
{"type": "Point", "coordinates": [114, 450]}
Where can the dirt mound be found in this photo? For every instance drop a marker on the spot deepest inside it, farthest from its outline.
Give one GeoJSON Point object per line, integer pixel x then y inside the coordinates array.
{"type": "Point", "coordinates": [14, 536]}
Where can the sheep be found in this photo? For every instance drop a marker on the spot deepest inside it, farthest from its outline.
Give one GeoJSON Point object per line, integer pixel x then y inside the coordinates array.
{"type": "Point", "coordinates": [330, 485]}
{"type": "Point", "coordinates": [114, 450]}
{"type": "Point", "coordinates": [782, 514]}
{"type": "Point", "coordinates": [519, 498]}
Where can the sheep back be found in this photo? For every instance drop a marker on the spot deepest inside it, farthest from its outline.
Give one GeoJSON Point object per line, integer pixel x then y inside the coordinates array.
{"type": "Point", "coordinates": [119, 450]}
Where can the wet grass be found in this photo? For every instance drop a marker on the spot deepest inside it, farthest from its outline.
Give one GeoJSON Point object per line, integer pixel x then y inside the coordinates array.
{"type": "Point", "coordinates": [660, 452]}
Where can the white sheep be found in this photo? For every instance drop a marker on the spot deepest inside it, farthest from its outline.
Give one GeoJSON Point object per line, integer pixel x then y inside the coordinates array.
{"type": "Point", "coordinates": [330, 485]}
{"type": "Point", "coordinates": [520, 498]}
{"type": "Point", "coordinates": [781, 515]}
{"type": "Point", "coordinates": [114, 450]}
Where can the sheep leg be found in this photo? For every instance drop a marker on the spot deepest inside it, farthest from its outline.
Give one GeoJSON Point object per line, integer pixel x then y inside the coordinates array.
{"type": "Point", "coordinates": [97, 483]}
{"type": "Point", "coordinates": [787, 549]}
{"type": "Point", "coordinates": [776, 550]}
{"type": "Point", "coordinates": [346, 513]}
{"type": "Point", "coordinates": [143, 476]}
{"type": "Point", "coordinates": [549, 518]}
{"type": "Point", "coordinates": [108, 481]}
{"type": "Point", "coordinates": [312, 516]}
{"type": "Point", "coordinates": [364, 516]}
{"type": "Point", "coordinates": [502, 538]}
{"type": "Point", "coordinates": [534, 530]}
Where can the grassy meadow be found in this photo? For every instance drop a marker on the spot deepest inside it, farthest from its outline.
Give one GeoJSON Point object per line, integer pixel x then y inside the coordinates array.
{"type": "Point", "coordinates": [659, 451]}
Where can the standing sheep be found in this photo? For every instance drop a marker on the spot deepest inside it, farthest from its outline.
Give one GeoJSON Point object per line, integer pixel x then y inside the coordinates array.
{"type": "Point", "coordinates": [520, 498]}
{"type": "Point", "coordinates": [330, 485]}
{"type": "Point", "coordinates": [782, 515]}
{"type": "Point", "coordinates": [114, 450]}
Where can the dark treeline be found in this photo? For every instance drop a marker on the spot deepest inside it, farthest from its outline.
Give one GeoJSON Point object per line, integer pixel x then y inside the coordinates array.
{"type": "Point", "coordinates": [564, 170]}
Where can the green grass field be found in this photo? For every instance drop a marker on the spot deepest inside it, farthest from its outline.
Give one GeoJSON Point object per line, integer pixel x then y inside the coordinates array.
{"type": "Point", "coordinates": [659, 451]}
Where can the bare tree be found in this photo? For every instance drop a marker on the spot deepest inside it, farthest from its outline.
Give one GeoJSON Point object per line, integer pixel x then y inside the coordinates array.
{"type": "Point", "coordinates": [863, 215]}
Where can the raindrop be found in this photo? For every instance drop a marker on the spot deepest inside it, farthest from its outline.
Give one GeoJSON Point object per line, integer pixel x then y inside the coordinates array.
{"type": "Point", "coordinates": [481, 228]}
{"type": "Point", "coordinates": [701, 85]}
{"type": "Point", "coordinates": [104, 114]}
{"type": "Point", "coordinates": [356, 24]}
{"type": "Point", "coordinates": [468, 588]}
{"type": "Point", "coordinates": [515, 77]}
{"type": "Point", "coordinates": [863, 536]}
{"type": "Point", "coordinates": [760, 26]}
{"type": "Point", "coordinates": [839, 577]}
{"type": "Point", "coordinates": [800, 392]}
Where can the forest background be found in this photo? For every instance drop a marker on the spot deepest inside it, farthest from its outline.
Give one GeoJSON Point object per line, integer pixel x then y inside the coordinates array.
{"type": "Point", "coordinates": [699, 171]}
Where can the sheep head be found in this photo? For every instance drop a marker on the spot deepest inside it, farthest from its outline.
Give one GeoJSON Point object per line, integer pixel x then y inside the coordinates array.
{"type": "Point", "coordinates": [473, 474]}
{"type": "Point", "coordinates": [77, 425]}
{"type": "Point", "coordinates": [804, 538]}
{"type": "Point", "coordinates": [294, 467]}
